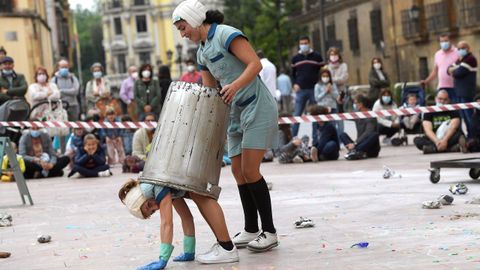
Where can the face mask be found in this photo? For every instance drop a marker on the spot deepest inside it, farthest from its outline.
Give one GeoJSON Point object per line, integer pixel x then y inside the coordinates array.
{"type": "Point", "coordinates": [135, 75]}
{"type": "Point", "coordinates": [438, 103]}
{"type": "Point", "coordinates": [146, 74]}
{"type": "Point", "coordinates": [89, 129]}
{"type": "Point", "coordinates": [462, 52]}
{"type": "Point", "coordinates": [304, 48]}
{"type": "Point", "coordinates": [7, 71]}
{"type": "Point", "coordinates": [97, 74]}
{"type": "Point", "coordinates": [355, 107]}
{"type": "Point", "coordinates": [63, 72]}
{"type": "Point", "coordinates": [191, 68]}
{"type": "Point", "coordinates": [334, 58]}
{"type": "Point", "coordinates": [41, 78]}
{"type": "Point", "coordinates": [325, 79]}
{"type": "Point", "coordinates": [377, 66]}
{"type": "Point", "coordinates": [445, 45]}
{"type": "Point", "coordinates": [35, 133]}
{"type": "Point", "coordinates": [386, 99]}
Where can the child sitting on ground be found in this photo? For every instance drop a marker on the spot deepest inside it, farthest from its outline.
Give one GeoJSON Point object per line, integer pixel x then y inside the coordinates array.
{"type": "Point", "coordinates": [90, 160]}
{"type": "Point", "coordinates": [74, 143]}
{"type": "Point", "coordinates": [44, 157]}
{"type": "Point", "coordinates": [143, 199]}
{"type": "Point", "coordinates": [7, 173]}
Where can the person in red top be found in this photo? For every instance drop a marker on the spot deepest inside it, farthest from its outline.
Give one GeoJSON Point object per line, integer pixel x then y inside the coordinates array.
{"type": "Point", "coordinates": [192, 75]}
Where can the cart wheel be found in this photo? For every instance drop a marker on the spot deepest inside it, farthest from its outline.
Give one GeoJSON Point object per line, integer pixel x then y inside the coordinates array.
{"type": "Point", "coordinates": [474, 173]}
{"type": "Point", "coordinates": [434, 175]}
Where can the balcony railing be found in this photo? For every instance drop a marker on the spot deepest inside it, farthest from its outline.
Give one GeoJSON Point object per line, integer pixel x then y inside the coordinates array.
{"type": "Point", "coordinates": [113, 4]}
{"type": "Point", "coordinates": [140, 2]}
{"type": "Point", "coordinates": [469, 13]}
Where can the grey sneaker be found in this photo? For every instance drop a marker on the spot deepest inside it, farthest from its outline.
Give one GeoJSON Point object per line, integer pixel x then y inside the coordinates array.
{"type": "Point", "coordinates": [264, 242]}
{"type": "Point", "coordinates": [314, 154]}
{"type": "Point", "coordinates": [241, 239]}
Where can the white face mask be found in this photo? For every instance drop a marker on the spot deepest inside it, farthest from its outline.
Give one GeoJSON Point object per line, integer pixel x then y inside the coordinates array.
{"type": "Point", "coordinates": [304, 48]}
{"type": "Point", "coordinates": [377, 66]}
{"type": "Point", "coordinates": [41, 78]}
{"type": "Point", "coordinates": [146, 74]}
{"type": "Point", "coordinates": [325, 79]}
{"type": "Point", "coordinates": [334, 58]}
{"type": "Point", "coordinates": [191, 68]}
{"type": "Point", "coordinates": [135, 75]}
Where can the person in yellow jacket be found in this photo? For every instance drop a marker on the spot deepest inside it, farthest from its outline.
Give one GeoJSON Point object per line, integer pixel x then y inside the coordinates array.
{"type": "Point", "coordinates": [7, 173]}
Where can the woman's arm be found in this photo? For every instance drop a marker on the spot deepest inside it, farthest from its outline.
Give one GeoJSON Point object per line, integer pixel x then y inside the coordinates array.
{"type": "Point", "coordinates": [166, 219]}
{"type": "Point", "coordinates": [208, 79]}
{"type": "Point", "coordinates": [242, 49]}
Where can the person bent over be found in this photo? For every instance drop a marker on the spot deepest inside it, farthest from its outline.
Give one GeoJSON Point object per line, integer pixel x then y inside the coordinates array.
{"type": "Point", "coordinates": [367, 144]}
{"type": "Point", "coordinates": [442, 130]}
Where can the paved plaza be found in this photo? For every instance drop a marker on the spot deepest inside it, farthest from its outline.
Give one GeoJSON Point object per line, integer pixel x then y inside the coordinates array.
{"type": "Point", "coordinates": [350, 202]}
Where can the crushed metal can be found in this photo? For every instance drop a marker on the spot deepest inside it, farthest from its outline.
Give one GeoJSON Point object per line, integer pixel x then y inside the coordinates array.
{"type": "Point", "coordinates": [458, 189]}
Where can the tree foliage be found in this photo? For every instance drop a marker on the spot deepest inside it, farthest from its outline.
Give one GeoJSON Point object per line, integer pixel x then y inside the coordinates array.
{"type": "Point", "coordinates": [266, 24]}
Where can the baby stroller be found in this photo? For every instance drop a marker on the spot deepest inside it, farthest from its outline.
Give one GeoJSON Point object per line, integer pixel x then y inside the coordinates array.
{"type": "Point", "coordinates": [13, 110]}
{"type": "Point", "coordinates": [415, 125]}
{"type": "Point", "coordinates": [49, 110]}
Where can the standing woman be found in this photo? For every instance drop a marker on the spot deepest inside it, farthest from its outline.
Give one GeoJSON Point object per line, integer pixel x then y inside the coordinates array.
{"type": "Point", "coordinates": [147, 92]}
{"type": "Point", "coordinates": [41, 91]}
{"type": "Point", "coordinates": [226, 55]}
{"type": "Point", "coordinates": [377, 79]}
{"type": "Point", "coordinates": [339, 70]}
{"type": "Point", "coordinates": [97, 88]}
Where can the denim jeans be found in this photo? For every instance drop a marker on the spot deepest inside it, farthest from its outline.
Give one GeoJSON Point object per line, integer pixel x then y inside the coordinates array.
{"type": "Point", "coordinates": [303, 97]}
{"type": "Point", "coordinates": [467, 115]}
{"type": "Point", "coordinates": [369, 145]}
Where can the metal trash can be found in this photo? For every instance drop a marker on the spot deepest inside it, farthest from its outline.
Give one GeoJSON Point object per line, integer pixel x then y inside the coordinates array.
{"type": "Point", "coordinates": [187, 148]}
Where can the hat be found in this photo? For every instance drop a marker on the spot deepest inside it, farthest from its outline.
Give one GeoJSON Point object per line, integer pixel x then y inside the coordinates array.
{"type": "Point", "coordinates": [134, 201]}
{"type": "Point", "coordinates": [6, 59]}
{"type": "Point", "coordinates": [192, 11]}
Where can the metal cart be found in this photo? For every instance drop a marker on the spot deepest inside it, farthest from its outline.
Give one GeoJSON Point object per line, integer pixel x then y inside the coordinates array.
{"type": "Point", "coordinates": [468, 163]}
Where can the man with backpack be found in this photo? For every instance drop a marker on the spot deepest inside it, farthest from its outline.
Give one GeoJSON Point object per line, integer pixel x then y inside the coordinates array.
{"type": "Point", "coordinates": [69, 88]}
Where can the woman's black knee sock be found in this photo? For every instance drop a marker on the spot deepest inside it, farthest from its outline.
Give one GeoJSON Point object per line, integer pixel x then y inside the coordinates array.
{"type": "Point", "coordinates": [261, 196]}
{"type": "Point", "coordinates": [249, 209]}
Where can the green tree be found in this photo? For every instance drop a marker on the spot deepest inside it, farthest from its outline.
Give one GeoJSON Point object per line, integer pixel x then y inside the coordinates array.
{"type": "Point", "coordinates": [266, 24]}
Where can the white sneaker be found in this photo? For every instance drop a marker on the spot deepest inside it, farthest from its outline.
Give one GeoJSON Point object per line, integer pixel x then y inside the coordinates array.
{"type": "Point", "coordinates": [264, 242]}
{"type": "Point", "coordinates": [105, 173]}
{"type": "Point", "coordinates": [218, 255]}
{"type": "Point", "coordinates": [241, 239]}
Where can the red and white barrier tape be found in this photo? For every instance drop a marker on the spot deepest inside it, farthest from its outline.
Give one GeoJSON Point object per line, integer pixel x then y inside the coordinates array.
{"type": "Point", "coordinates": [283, 120]}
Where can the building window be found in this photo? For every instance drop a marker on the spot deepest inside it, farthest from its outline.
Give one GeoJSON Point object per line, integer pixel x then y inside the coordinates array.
{"type": "Point", "coordinates": [423, 67]}
{"type": "Point", "coordinates": [121, 63]}
{"type": "Point", "coordinates": [116, 4]}
{"type": "Point", "coordinates": [117, 22]}
{"type": "Point", "coordinates": [410, 27]}
{"type": "Point", "coordinates": [6, 6]}
{"type": "Point", "coordinates": [469, 13]}
{"type": "Point", "coordinates": [316, 39]}
{"type": "Point", "coordinates": [144, 58]}
{"type": "Point", "coordinates": [141, 23]}
{"type": "Point", "coordinates": [353, 34]}
{"type": "Point", "coordinates": [376, 27]}
{"type": "Point", "coordinates": [140, 2]}
{"type": "Point", "coordinates": [437, 16]}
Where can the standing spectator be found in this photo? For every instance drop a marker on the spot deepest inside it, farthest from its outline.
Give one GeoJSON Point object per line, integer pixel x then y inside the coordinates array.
{"type": "Point", "coordinates": [388, 125]}
{"type": "Point", "coordinates": [147, 92]}
{"type": "Point", "coordinates": [192, 75]}
{"type": "Point", "coordinates": [113, 139]}
{"type": "Point", "coordinates": [442, 130]}
{"type": "Point", "coordinates": [12, 85]}
{"type": "Point", "coordinates": [41, 91]}
{"type": "Point", "coordinates": [464, 73]}
{"type": "Point", "coordinates": [444, 58]}
{"type": "Point", "coordinates": [339, 70]}
{"type": "Point", "coordinates": [473, 143]}
{"type": "Point", "coordinates": [284, 84]}
{"type": "Point", "coordinates": [97, 88]}
{"type": "Point", "coordinates": [126, 92]}
{"type": "Point", "coordinates": [69, 88]}
{"type": "Point", "coordinates": [367, 144]}
{"type": "Point", "coordinates": [90, 160]}
{"type": "Point", "coordinates": [35, 139]}
{"type": "Point", "coordinates": [164, 80]}
{"type": "Point", "coordinates": [268, 74]}
{"type": "Point", "coordinates": [378, 79]}
{"type": "Point", "coordinates": [327, 145]}
{"type": "Point", "coordinates": [305, 70]}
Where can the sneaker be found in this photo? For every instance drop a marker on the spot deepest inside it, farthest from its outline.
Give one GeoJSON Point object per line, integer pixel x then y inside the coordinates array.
{"type": "Point", "coordinates": [241, 239]}
{"type": "Point", "coordinates": [397, 141]}
{"type": "Point", "coordinates": [429, 149]}
{"type": "Point", "coordinates": [218, 255]}
{"type": "Point", "coordinates": [106, 173]}
{"type": "Point", "coordinates": [297, 159]}
{"type": "Point", "coordinates": [74, 174]}
{"type": "Point", "coordinates": [264, 242]}
{"type": "Point", "coordinates": [387, 141]}
{"type": "Point", "coordinates": [314, 154]}
{"type": "Point", "coordinates": [355, 155]}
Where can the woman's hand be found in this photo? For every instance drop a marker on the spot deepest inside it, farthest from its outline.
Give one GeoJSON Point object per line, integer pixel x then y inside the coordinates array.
{"type": "Point", "coordinates": [228, 92]}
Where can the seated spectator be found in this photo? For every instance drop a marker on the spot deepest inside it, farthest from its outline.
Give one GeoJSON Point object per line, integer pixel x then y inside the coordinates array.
{"type": "Point", "coordinates": [411, 123]}
{"type": "Point", "coordinates": [43, 156]}
{"type": "Point", "coordinates": [127, 136]}
{"type": "Point", "coordinates": [75, 142]}
{"type": "Point", "coordinates": [7, 173]}
{"type": "Point", "coordinates": [387, 125]}
{"type": "Point", "coordinates": [327, 145]}
{"type": "Point", "coordinates": [291, 149]}
{"type": "Point", "coordinates": [41, 91]}
{"type": "Point", "coordinates": [367, 144]}
{"type": "Point", "coordinates": [12, 85]}
{"type": "Point", "coordinates": [473, 143]}
{"type": "Point", "coordinates": [90, 160]}
{"type": "Point", "coordinates": [142, 139]}
{"type": "Point", "coordinates": [113, 139]}
{"type": "Point", "coordinates": [442, 130]}
{"type": "Point", "coordinates": [33, 139]}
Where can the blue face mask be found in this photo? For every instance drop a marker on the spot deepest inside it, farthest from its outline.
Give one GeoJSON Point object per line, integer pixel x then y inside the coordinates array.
{"type": "Point", "coordinates": [355, 107]}
{"type": "Point", "coordinates": [445, 45]}
{"type": "Point", "coordinates": [386, 99]}
{"type": "Point", "coordinates": [97, 74]}
{"type": "Point", "coordinates": [63, 72]}
{"type": "Point", "coordinates": [462, 52]}
{"type": "Point", "coordinates": [35, 133]}
{"type": "Point", "coordinates": [7, 72]}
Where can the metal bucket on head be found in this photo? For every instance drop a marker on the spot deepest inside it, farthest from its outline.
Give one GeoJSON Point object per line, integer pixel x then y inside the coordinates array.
{"type": "Point", "coordinates": [187, 147]}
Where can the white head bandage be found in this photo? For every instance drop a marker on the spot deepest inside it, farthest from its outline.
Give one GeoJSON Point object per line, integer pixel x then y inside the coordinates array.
{"type": "Point", "coordinates": [191, 11]}
{"type": "Point", "coordinates": [134, 200]}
